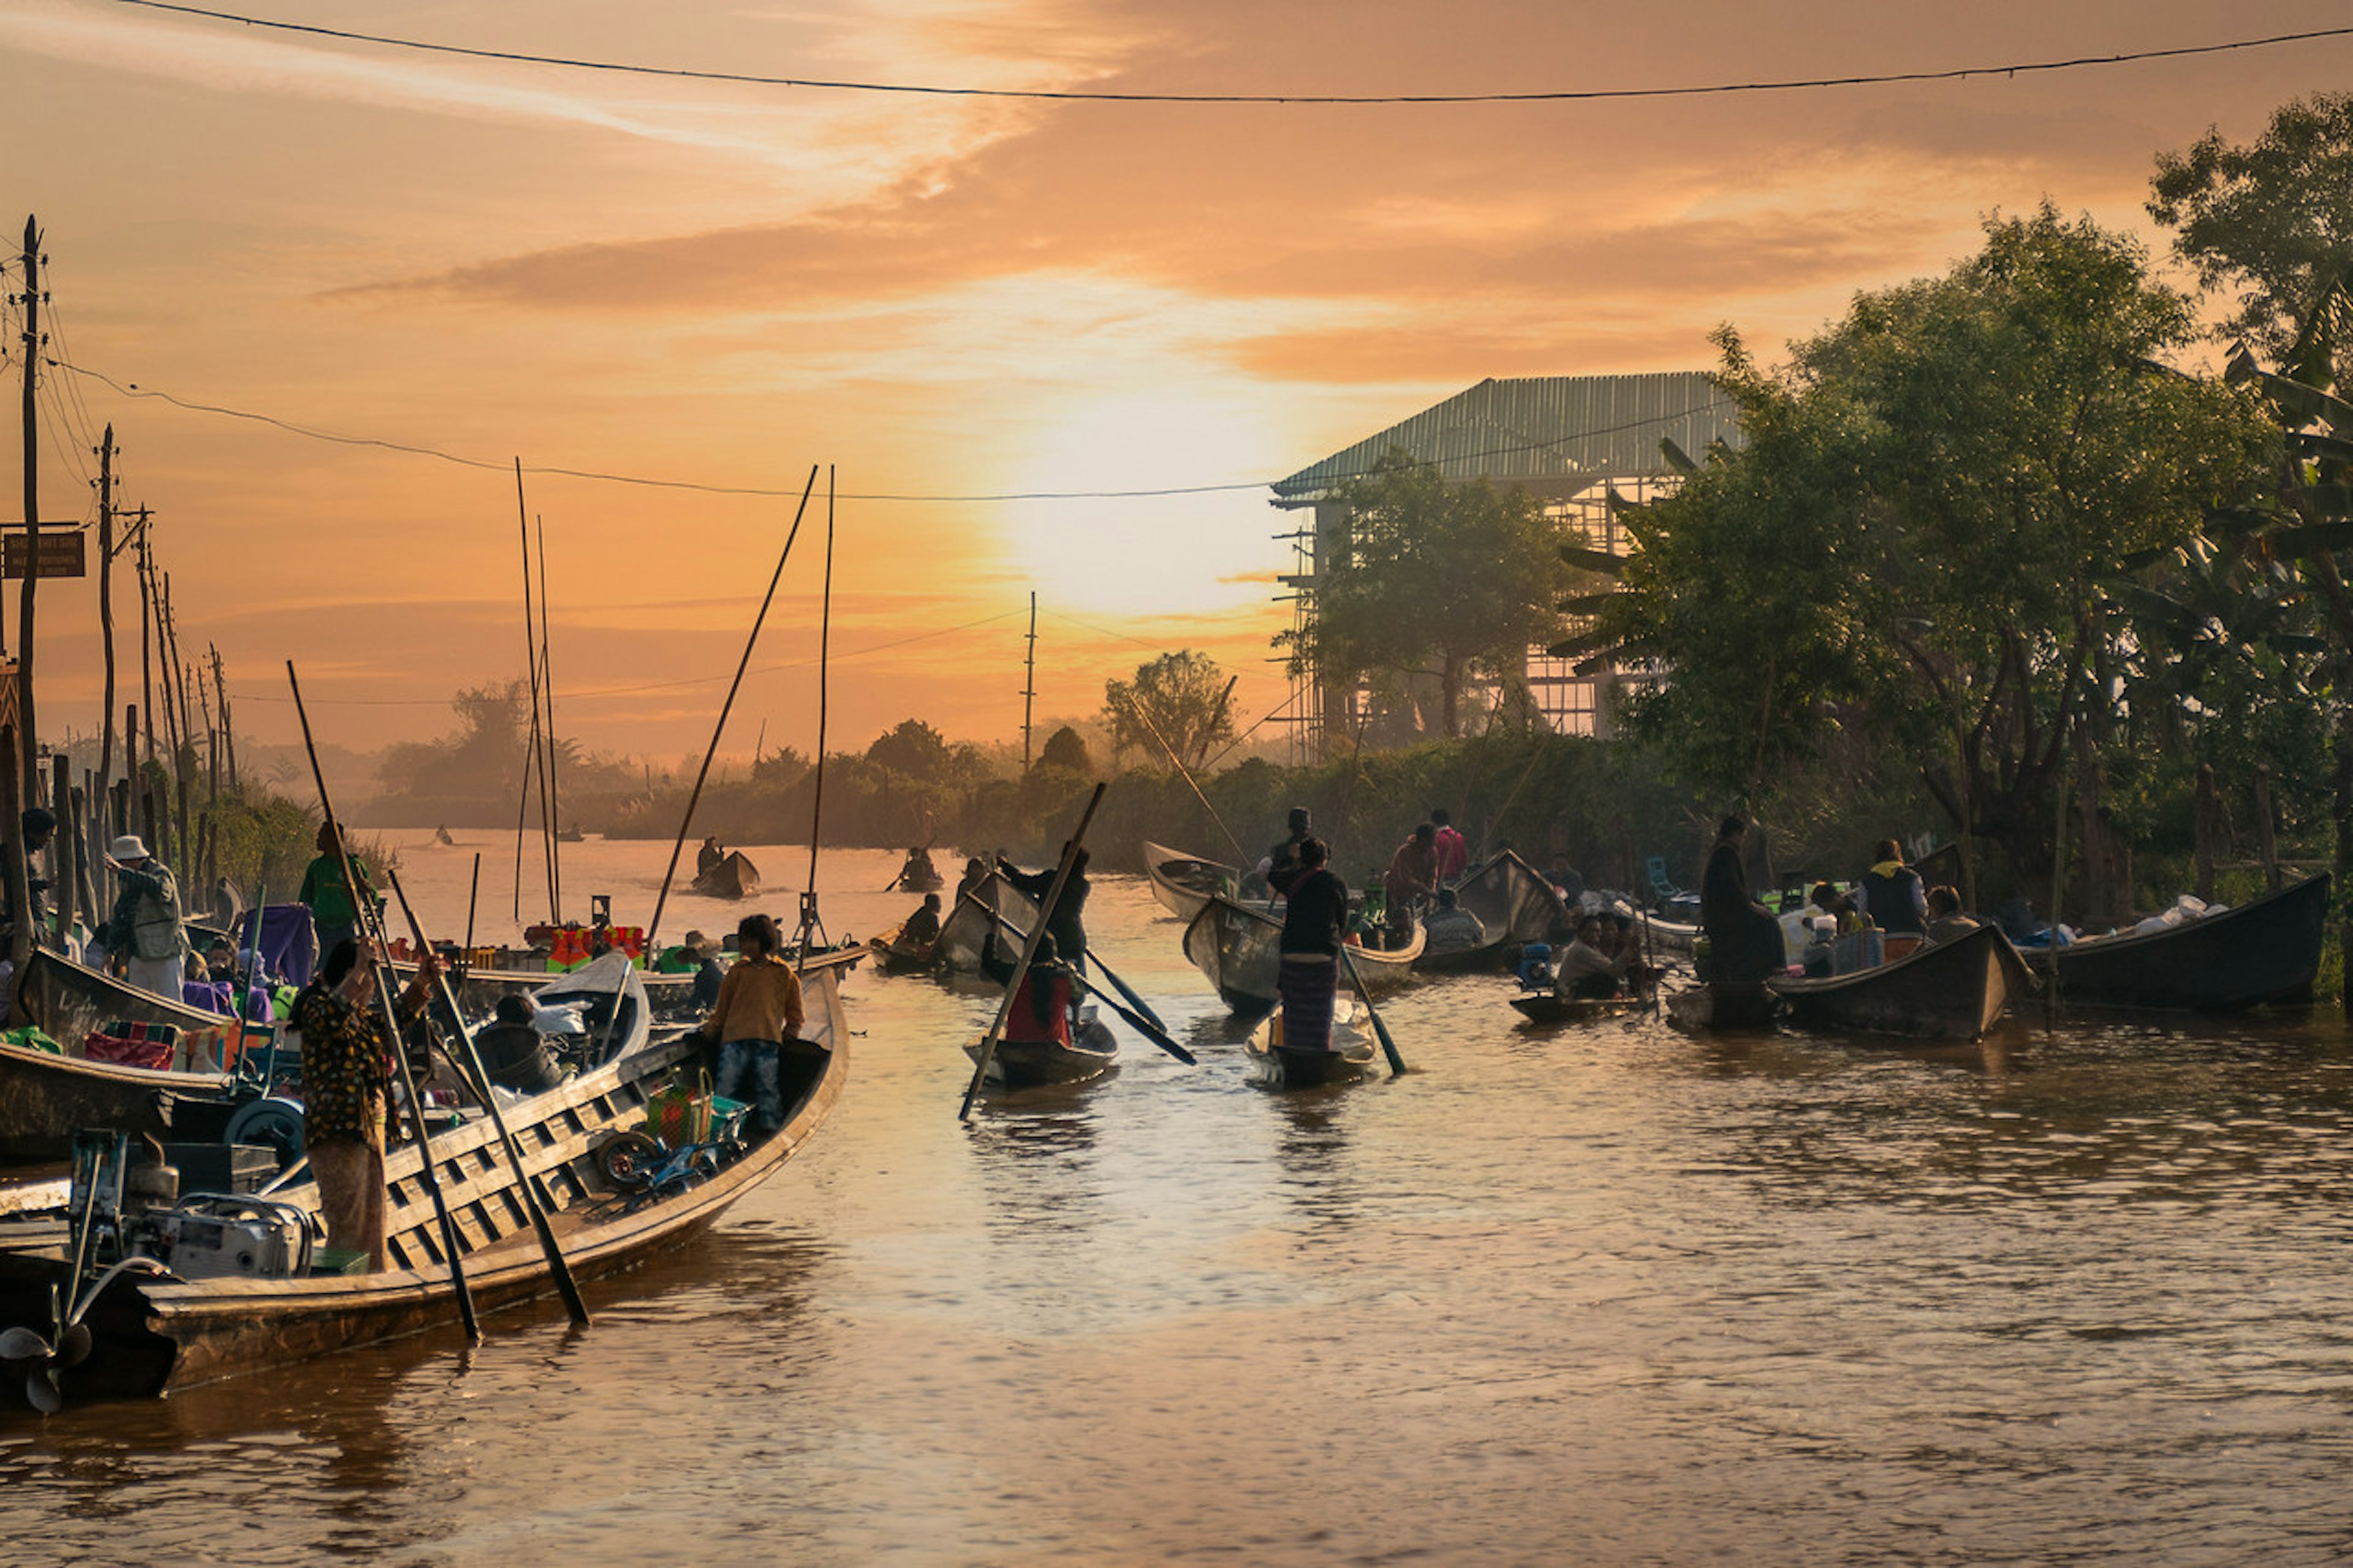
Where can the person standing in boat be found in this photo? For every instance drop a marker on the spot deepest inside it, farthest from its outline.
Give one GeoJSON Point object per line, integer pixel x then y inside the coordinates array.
{"type": "Point", "coordinates": [1314, 923]}
{"type": "Point", "coordinates": [1453, 849]}
{"type": "Point", "coordinates": [147, 931]}
{"type": "Point", "coordinates": [1282, 866]}
{"type": "Point", "coordinates": [759, 1008]}
{"type": "Point", "coordinates": [1067, 919]}
{"type": "Point", "coordinates": [1042, 1008]}
{"type": "Point", "coordinates": [1891, 896]}
{"type": "Point", "coordinates": [1412, 876]}
{"type": "Point", "coordinates": [976, 872]}
{"type": "Point", "coordinates": [1742, 938]}
{"type": "Point", "coordinates": [346, 1091]}
{"type": "Point", "coordinates": [324, 890]}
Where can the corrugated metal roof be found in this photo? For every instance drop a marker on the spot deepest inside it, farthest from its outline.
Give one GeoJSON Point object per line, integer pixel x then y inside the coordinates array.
{"type": "Point", "coordinates": [1545, 431]}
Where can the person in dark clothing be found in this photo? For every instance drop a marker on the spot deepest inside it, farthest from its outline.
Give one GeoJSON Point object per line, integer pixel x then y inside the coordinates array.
{"type": "Point", "coordinates": [1067, 919]}
{"type": "Point", "coordinates": [922, 928]}
{"type": "Point", "coordinates": [1891, 894]}
{"type": "Point", "coordinates": [1314, 926]}
{"type": "Point", "coordinates": [1282, 860]}
{"type": "Point", "coordinates": [703, 953]}
{"type": "Point", "coordinates": [1743, 937]}
{"type": "Point", "coordinates": [39, 825]}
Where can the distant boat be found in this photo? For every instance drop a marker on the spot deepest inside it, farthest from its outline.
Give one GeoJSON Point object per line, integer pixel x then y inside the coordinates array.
{"type": "Point", "coordinates": [734, 877]}
{"type": "Point", "coordinates": [441, 835]}
{"type": "Point", "coordinates": [1183, 882]}
{"type": "Point", "coordinates": [1544, 1007]}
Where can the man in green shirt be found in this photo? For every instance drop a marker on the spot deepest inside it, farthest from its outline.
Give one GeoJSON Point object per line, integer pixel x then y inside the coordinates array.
{"type": "Point", "coordinates": [322, 892]}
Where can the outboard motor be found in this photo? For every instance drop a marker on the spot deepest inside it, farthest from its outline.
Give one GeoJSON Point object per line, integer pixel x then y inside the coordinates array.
{"type": "Point", "coordinates": [1536, 966]}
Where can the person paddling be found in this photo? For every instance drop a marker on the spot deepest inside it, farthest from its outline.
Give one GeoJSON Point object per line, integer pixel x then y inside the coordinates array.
{"type": "Point", "coordinates": [1314, 925]}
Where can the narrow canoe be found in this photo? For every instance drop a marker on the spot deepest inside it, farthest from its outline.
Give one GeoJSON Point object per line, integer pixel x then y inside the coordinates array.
{"type": "Point", "coordinates": [918, 878]}
{"type": "Point", "coordinates": [1239, 950]}
{"type": "Point", "coordinates": [156, 1332]}
{"type": "Point", "coordinates": [2268, 951]}
{"type": "Point", "coordinates": [1942, 991]}
{"type": "Point", "coordinates": [1182, 882]}
{"type": "Point", "coordinates": [1276, 1064]}
{"type": "Point", "coordinates": [1496, 952]}
{"type": "Point", "coordinates": [1511, 899]}
{"type": "Point", "coordinates": [966, 931]}
{"type": "Point", "coordinates": [1722, 1005]}
{"type": "Point", "coordinates": [1030, 1064]}
{"type": "Point", "coordinates": [1544, 1007]}
{"type": "Point", "coordinates": [734, 877]}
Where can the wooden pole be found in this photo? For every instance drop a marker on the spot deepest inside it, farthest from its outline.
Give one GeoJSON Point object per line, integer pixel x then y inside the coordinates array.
{"type": "Point", "coordinates": [531, 661]}
{"type": "Point", "coordinates": [146, 654]}
{"type": "Point", "coordinates": [85, 886]}
{"type": "Point", "coordinates": [816, 792]}
{"type": "Point", "coordinates": [12, 857]}
{"type": "Point", "coordinates": [228, 730]}
{"type": "Point", "coordinates": [2265, 845]}
{"type": "Point", "coordinates": [547, 686]}
{"type": "Point", "coordinates": [1187, 773]}
{"type": "Point", "coordinates": [1029, 681]}
{"type": "Point", "coordinates": [427, 1168]}
{"type": "Point", "coordinates": [105, 607]}
{"type": "Point", "coordinates": [1028, 953]}
{"type": "Point", "coordinates": [63, 847]}
{"type": "Point", "coordinates": [686, 818]}
{"type": "Point", "coordinates": [29, 744]}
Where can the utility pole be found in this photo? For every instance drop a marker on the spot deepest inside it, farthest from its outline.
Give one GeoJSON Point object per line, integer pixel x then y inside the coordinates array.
{"type": "Point", "coordinates": [229, 731]}
{"type": "Point", "coordinates": [106, 610]}
{"type": "Point", "coordinates": [28, 748]}
{"type": "Point", "coordinates": [146, 660]}
{"type": "Point", "coordinates": [1029, 681]}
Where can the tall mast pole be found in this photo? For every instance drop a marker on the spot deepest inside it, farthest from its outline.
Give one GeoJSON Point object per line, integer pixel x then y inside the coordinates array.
{"type": "Point", "coordinates": [106, 613]}
{"type": "Point", "coordinates": [547, 686]}
{"type": "Point", "coordinates": [1029, 680]}
{"type": "Point", "coordinates": [146, 651]}
{"type": "Point", "coordinates": [28, 748]}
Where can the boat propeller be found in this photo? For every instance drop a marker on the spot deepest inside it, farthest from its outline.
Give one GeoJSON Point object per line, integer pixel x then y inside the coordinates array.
{"type": "Point", "coordinates": [68, 1347]}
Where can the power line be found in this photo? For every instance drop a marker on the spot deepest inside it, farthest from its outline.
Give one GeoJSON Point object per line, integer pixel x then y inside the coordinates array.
{"type": "Point", "coordinates": [133, 389]}
{"type": "Point", "coordinates": [1586, 95]}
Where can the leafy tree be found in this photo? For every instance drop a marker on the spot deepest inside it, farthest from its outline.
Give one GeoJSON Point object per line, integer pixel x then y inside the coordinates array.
{"type": "Point", "coordinates": [1066, 750]}
{"type": "Point", "coordinates": [1177, 699]}
{"type": "Point", "coordinates": [1926, 530]}
{"type": "Point", "coordinates": [1432, 579]}
{"type": "Point", "coordinates": [2273, 219]}
{"type": "Point", "coordinates": [912, 748]}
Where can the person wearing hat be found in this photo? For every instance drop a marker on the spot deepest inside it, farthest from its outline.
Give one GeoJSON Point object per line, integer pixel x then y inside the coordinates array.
{"type": "Point", "coordinates": [146, 930]}
{"type": "Point", "coordinates": [323, 891]}
{"type": "Point", "coordinates": [703, 953]}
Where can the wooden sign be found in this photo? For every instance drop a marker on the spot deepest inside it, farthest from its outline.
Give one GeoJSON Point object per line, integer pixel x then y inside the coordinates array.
{"type": "Point", "coordinates": [62, 553]}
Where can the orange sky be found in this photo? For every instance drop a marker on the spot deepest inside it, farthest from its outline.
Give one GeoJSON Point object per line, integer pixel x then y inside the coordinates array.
{"type": "Point", "coordinates": [939, 296]}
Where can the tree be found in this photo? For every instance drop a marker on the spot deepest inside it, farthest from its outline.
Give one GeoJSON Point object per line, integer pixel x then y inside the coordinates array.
{"type": "Point", "coordinates": [2273, 219]}
{"type": "Point", "coordinates": [1927, 529]}
{"type": "Point", "coordinates": [912, 748]}
{"type": "Point", "coordinates": [1066, 750]}
{"type": "Point", "coordinates": [1432, 579]}
{"type": "Point", "coordinates": [1177, 699]}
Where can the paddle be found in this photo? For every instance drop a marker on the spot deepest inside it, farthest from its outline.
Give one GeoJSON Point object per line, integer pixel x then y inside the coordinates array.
{"type": "Point", "coordinates": [427, 1168]}
{"type": "Point", "coordinates": [1125, 990]}
{"type": "Point", "coordinates": [1145, 1023]}
{"type": "Point", "coordinates": [1028, 953]}
{"type": "Point", "coordinates": [1380, 1030]}
{"type": "Point", "coordinates": [565, 1286]}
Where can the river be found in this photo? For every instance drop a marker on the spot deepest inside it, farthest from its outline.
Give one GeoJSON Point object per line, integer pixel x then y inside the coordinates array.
{"type": "Point", "coordinates": [1608, 1294]}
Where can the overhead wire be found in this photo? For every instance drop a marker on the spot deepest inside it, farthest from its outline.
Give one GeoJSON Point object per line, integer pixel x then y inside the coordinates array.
{"type": "Point", "coordinates": [1083, 95]}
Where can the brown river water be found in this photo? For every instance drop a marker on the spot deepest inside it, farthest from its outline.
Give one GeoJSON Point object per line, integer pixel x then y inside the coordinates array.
{"type": "Point", "coordinates": [1608, 1294]}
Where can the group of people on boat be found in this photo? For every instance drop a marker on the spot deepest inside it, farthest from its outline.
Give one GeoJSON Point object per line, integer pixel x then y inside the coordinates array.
{"type": "Point", "coordinates": [1746, 940]}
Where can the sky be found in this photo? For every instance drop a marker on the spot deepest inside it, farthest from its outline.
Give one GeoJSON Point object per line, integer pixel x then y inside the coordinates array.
{"type": "Point", "coordinates": [934, 296]}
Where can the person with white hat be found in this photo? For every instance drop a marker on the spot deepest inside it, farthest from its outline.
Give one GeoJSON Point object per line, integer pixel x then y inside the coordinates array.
{"type": "Point", "coordinates": [147, 930]}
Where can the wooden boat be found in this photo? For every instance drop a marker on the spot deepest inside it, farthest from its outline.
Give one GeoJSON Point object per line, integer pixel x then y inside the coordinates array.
{"type": "Point", "coordinates": [734, 877]}
{"type": "Point", "coordinates": [1496, 952]}
{"type": "Point", "coordinates": [478, 990]}
{"type": "Point", "coordinates": [921, 877]}
{"type": "Point", "coordinates": [2268, 951]}
{"type": "Point", "coordinates": [154, 1332]}
{"type": "Point", "coordinates": [1722, 1005]}
{"type": "Point", "coordinates": [893, 957]}
{"type": "Point", "coordinates": [967, 929]}
{"type": "Point", "coordinates": [1239, 950]}
{"type": "Point", "coordinates": [1511, 899]}
{"type": "Point", "coordinates": [1941, 991]}
{"type": "Point", "coordinates": [1182, 882]}
{"type": "Point", "coordinates": [1278, 1065]}
{"type": "Point", "coordinates": [1668, 938]}
{"type": "Point", "coordinates": [1028, 1064]}
{"type": "Point", "coordinates": [1547, 1007]}
{"type": "Point", "coordinates": [44, 1097]}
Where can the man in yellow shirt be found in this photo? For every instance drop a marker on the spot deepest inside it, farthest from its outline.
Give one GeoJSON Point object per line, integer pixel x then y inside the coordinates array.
{"type": "Point", "coordinates": [759, 1008]}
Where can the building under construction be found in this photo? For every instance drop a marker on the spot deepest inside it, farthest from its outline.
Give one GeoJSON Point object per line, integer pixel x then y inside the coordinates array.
{"type": "Point", "coordinates": [1567, 440]}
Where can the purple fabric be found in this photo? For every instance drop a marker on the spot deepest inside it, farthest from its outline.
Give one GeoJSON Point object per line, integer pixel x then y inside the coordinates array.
{"type": "Point", "coordinates": [290, 943]}
{"type": "Point", "coordinates": [1307, 988]}
{"type": "Point", "coordinates": [209, 997]}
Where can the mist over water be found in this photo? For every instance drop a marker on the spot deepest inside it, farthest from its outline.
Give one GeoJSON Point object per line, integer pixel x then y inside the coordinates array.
{"type": "Point", "coordinates": [1613, 1295]}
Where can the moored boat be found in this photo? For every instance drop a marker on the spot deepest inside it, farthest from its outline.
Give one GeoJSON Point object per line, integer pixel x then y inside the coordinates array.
{"type": "Point", "coordinates": [1183, 883]}
{"type": "Point", "coordinates": [2267, 950]}
{"type": "Point", "coordinates": [155, 1330]}
{"type": "Point", "coordinates": [1951, 990]}
{"type": "Point", "coordinates": [1511, 899]}
{"type": "Point", "coordinates": [1239, 950]}
{"type": "Point", "coordinates": [1279, 1066]}
{"type": "Point", "coordinates": [1549, 1007]}
{"type": "Point", "coordinates": [734, 877]}
{"type": "Point", "coordinates": [1030, 1064]}
{"type": "Point", "coordinates": [965, 929]}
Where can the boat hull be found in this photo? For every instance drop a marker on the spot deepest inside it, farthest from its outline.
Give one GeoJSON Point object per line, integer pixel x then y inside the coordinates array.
{"type": "Point", "coordinates": [1279, 1066]}
{"type": "Point", "coordinates": [734, 877]}
{"type": "Point", "coordinates": [1239, 951]}
{"type": "Point", "coordinates": [1544, 1007]}
{"type": "Point", "coordinates": [1511, 899]}
{"type": "Point", "coordinates": [1183, 883]}
{"type": "Point", "coordinates": [2268, 951]}
{"type": "Point", "coordinates": [1952, 990]}
{"type": "Point", "coordinates": [1034, 1064]}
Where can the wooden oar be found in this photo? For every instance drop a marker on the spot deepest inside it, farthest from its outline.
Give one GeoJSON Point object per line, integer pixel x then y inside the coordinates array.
{"type": "Point", "coordinates": [1028, 953]}
{"type": "Point", "coordinates": [565, 1286]}
{"type": "Point", "coordinates": [1144, 1021]}
{"type": "Point", "coordinates": [1380, 1030]}
{"type": "Point", "coordinates": [427, 1170]}
{"type": "Point", "coordinates": [1125, 990]}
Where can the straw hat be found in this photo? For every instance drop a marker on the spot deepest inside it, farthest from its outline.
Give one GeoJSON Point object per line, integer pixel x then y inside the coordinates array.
{"type": "Point", "coordinates": [696, 943]}
{"type": "Point", "coordinates": [128, 851]}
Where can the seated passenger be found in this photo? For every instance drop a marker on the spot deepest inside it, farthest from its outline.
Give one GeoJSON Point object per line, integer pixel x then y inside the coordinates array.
{"type": "Point", "coordinates": [1587, 968]}
{"type": "Point", "coordinates": [1827, 900]}
{"type": "Point", "coordinates": [1451, 928]}
{"type": "Point", "coordinates": [923, 927]}
{"type": "Point", "coordinates": [1946, 921]}
{"type": "Point", "coordinates": [1042, 1007]}
{"type": "Point", "coordinates": [1891, 893]}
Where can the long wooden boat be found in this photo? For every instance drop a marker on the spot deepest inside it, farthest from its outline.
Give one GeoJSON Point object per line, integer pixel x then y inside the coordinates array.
{"type": "Point", "coordinates": [1940, 991]}
{"type": "Point", "coordinates": [1183, 883]}
{"type": "Point", "coordinates": [1496, 952]}
{"type": "Point", "coordinates": [43, 1097]}
{"type": "Point", "coordinates": [922, 877]}
{"type": "Point", "coordinates": [154, 1332]}
{"type": "Point", "coordinates": [1547, 1007]}
{"type": "Point", "coordinates": [2268, 951]}
{"type": "Point", "coordinates": [1279, 1066]}
{"type": "Point", "coordinates": [1031, 1064]}
{"type": "Point", "coordinates": [1239, 950]}
{"type": "Point", "coordinates": [1722, 1005]}
{"type": "Point", "coordinates": [1511, 899]}
{"type": "Point", "coordinates": [966, 931]}
{"type": "Point", "coordinates": [734, 877]}
{"type": "Point", "coordinates": [478, 990]}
